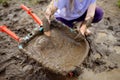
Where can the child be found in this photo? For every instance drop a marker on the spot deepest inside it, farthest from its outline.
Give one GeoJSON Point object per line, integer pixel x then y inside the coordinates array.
{"type": "Point", "coordinates": [70, 11]}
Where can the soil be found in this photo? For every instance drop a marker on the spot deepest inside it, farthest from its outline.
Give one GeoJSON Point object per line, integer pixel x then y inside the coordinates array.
{"type": "Point", "coordinates": [102, 62]}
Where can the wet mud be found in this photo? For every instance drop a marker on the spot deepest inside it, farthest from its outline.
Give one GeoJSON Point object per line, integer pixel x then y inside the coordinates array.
{"type": "Point", "coordinates": [103, 60]}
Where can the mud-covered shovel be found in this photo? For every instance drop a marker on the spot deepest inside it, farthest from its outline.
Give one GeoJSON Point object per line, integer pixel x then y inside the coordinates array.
{"type": "Point", "coordinates": [63, 57]}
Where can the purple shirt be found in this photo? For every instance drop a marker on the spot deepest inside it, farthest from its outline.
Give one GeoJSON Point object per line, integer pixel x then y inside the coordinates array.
{"type": "Point", "coordinates": [64, 11]}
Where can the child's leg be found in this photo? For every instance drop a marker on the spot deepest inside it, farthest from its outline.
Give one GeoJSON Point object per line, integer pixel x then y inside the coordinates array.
{"type": "Point", "coordinates": [98, 15]}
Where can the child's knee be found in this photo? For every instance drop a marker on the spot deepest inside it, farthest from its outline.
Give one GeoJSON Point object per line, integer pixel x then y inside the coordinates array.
{"type": "Point", "coordinates": [98, 15]}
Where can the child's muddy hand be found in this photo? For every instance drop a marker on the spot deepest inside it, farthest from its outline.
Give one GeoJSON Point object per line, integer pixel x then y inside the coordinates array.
{"type": "Point", "coordinates": [83, 29]}
{"type": "Point", "coordinates": [47, 33]}
{"type": "Point", "coordinates": [82, 32]}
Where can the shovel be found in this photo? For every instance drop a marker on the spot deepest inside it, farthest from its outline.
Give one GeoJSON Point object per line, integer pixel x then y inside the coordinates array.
{"type": "Point", "coordinates": [62, 55]}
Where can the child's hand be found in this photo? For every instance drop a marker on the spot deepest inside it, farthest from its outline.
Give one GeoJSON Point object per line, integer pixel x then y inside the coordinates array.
{"type": "Point", "coordinates": [83, 29]}
{"type": "Point", "coordinates": [47, 33]}
{"type": "Point", "coordinates": [46, 25]}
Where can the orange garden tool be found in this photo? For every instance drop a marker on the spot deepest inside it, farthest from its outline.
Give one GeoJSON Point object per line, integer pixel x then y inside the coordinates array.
{"type": "Point", "coordinates": [9, 32]}
{"type": "Point", "coordinates": [49, 53]}
{"type": "Point", "coordinates": [34, 16]}
{"type": "Point", "coordinates": [13, 35]}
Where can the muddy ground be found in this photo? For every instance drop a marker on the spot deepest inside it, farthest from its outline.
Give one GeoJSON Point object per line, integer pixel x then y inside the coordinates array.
{"type": "Point", "coordinates": [102, 63]}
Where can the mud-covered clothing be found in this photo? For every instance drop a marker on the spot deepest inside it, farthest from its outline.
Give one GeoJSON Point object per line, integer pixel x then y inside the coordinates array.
{"type": "Point", "coordinates": [79, 8]}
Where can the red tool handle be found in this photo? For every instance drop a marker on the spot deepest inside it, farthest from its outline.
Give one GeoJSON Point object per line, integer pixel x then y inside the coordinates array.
{"type": "Point", "coordinates": [34, 16]}
{"type": "Point", "coordinates": [10, 33]}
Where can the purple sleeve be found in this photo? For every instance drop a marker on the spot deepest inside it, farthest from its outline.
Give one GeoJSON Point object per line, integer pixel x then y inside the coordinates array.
{"type": "Point", "coordinates": [59, 3]}
{"type": "Point", "coordinates": [93, 1]}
